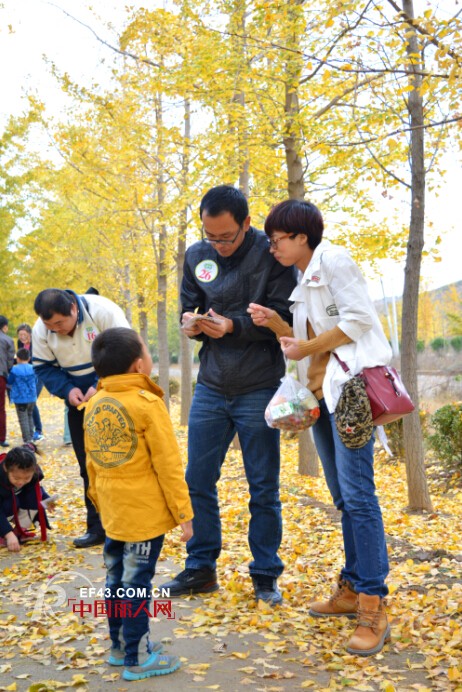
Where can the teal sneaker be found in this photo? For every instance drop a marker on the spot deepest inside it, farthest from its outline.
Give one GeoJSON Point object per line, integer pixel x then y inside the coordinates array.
{"type": "Point", "coordinates": [156, 664]}
{"type": "Point", "coordinates": [117, 656]}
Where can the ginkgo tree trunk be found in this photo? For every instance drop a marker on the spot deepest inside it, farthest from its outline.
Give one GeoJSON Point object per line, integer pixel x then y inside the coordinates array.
{"type": "Point", "coordinates": [185, 341]}
{"type": "Point", "coordinates": [308, 460]}
{"type": "Point", "coordinates": [418, 494]}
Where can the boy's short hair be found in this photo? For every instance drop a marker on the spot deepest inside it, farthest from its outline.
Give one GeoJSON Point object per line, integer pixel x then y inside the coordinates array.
{"type": "Point", "coordinates": [23, 354]}
{"type": "Point", "coordinates": [3, 321]}
{"type": "Point", "coordinates": [115, 350]}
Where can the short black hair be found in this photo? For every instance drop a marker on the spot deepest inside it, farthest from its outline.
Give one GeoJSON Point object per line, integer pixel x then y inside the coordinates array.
{"type": "Point", "coordinates": [296, 218]}
{"type": "Point", "coordinates": [23, 354]}
{"type": "Point", "coordinates": [225, 198]}
{"type": "Point", "coordinates": [24, 327]}
{"type": "Point", "coordinates": [3, 321]}
{"type": "Point", "coordinates": [115, 350]}
{"type": "Point", "coordinates": [21, 457]}
{"type": "Point", "coordinates": [53, 300]}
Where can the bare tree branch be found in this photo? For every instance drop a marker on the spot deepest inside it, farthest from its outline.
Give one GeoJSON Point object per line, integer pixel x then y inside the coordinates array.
{"type": "Point", "coordinates": [446, 121]}
{"type": "Point", "coordinates": [105, 43]}
{"type": "Point", "coordinates": [415, 25]}
{"type": "Point", "coordinates": [338, 98]}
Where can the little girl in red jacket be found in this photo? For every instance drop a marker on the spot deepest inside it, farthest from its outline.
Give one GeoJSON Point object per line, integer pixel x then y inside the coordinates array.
{"type": "Point", "coordinates": [21, 497]}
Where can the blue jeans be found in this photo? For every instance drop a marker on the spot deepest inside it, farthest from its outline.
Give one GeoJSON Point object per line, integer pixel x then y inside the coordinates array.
{"type": "Point", "coordinates": [129, 565]}
{"type": "Point", "coordinates": [350, 478]}
{"type": "Point", "coordinates": [214, 419]}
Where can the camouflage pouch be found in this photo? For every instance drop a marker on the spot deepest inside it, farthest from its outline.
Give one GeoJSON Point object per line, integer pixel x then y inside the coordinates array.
{"type": "Point", "coordinates": [353, 415]}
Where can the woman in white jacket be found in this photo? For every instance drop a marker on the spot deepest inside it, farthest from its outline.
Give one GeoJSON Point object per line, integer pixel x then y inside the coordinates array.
{"type": "Point", "coordinates": [333, 312]}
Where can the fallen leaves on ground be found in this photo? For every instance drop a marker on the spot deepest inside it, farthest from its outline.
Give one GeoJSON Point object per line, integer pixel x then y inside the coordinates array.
{"type": "Point", "coordinates": [278, 649]}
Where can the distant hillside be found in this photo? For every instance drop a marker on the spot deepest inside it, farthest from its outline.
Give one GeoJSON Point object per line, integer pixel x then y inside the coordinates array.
{"type": "Point", "coordinates": [436, 295]}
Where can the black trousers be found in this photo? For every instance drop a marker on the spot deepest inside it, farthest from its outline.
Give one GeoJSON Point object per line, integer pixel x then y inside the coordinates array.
{"type": "Point", "coordinates": [75, 418]}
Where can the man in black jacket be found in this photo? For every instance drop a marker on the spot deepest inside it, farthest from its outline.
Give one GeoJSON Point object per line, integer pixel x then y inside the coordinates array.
{"type": "Point", "coordinates": [240, 369]}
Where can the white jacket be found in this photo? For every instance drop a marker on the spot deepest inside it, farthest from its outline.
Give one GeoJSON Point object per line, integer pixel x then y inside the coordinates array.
{"type": "Point", "coordinates": [331, 292]}
{"type": "Point", "coordinates": [64, 362]}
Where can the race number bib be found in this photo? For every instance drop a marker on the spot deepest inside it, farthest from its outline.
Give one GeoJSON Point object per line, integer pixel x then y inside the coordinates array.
{"type": "Point", "coordinates": [206, 271]}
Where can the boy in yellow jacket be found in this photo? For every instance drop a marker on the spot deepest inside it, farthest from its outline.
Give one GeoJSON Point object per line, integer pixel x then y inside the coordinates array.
{"type": "Point", "coordinates": [137, 485]}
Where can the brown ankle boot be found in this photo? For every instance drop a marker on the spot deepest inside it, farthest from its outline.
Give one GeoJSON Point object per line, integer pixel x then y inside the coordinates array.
{"type": "Point", "coordinates": [342, 602]}
{"type": "Point", "coordinates": [372, 629]}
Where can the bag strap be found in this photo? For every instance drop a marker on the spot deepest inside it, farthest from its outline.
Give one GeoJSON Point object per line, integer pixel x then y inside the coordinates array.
{"type": "Point", "coordinates": [344, 365]}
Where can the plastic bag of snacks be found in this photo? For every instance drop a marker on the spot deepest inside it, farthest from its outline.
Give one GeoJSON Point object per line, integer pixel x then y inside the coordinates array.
{"type": "Point", "coordinates": [293, 407]}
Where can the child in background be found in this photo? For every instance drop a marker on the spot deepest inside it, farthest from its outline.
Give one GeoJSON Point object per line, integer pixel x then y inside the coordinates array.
{"type": "Point", "coordinates": [21, 497]}
{"type": "Point", "coordinates": [24, 333]}
{"type": "Point", "coordinates": [137, 485]}
{"type": "Point", "coordinates": [23, 392]}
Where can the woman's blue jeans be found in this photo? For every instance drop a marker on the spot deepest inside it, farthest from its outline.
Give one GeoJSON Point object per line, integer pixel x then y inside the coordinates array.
{"type": "Point", "coordinates": [350, 478]}
{"type": "Point", "coordinates": [213, 421]}
{"type": "Point", "coordinates": [129, 566]}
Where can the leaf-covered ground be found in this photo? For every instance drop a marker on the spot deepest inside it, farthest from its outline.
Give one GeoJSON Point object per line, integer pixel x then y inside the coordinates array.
{"type": "Point", "coordinates": [225, 641]}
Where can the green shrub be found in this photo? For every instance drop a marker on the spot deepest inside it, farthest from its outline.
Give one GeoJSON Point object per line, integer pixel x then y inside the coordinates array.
{"type": "Point", "coordinates": [420, 345]}
{"type": "Point", "coordinates": [438, 344]}
{"type": "Point", "coordinates": [456, 343]}
{"type": "Point", "coordinates": [446, 440]}
{"type": "Point", "coordinates": [173, 384]}
{"type": "Point", "coordinates": [394, 432]}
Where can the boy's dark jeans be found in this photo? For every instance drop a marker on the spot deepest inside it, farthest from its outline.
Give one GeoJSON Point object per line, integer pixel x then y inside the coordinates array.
{"type": "Point", "coordinates": [130, 566]}
{"type": "Point", "coordinates": [25, 419]}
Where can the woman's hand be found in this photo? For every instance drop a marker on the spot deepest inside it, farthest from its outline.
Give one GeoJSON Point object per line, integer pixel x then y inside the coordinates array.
{"type": "Point", "coordinates": [259, 314]}
{"type": "Point", "coordinates": [290, 348]}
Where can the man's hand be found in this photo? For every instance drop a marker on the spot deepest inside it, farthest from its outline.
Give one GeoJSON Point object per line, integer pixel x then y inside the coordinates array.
{"type": "Point", "coordinates": [91, 391]}
{"type": "Point", "coordinates": [12, 542]}
{"type": "Point", "coordinates": [194, 329]}
{"type": "Point", "coordinates": [216, 330]}
{"type": "Point", "coordinates": [76, 397]}
{"type": "Point", "coordinates": [290, 348]}
{"type": "Point", "coordinates": [187, 531]}
{"type": "Point", "coordinates": [259, 314]}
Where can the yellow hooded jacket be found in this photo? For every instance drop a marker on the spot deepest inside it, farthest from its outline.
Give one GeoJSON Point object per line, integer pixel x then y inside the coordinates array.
{"type": "Point", "coordinates": [134, 466]}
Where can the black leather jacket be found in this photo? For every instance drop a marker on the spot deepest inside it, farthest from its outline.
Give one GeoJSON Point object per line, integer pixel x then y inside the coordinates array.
{"type": "Point", "coordinates": [250, 358]}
